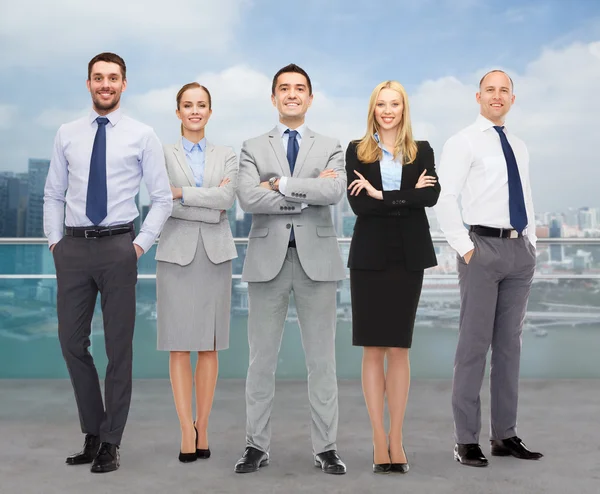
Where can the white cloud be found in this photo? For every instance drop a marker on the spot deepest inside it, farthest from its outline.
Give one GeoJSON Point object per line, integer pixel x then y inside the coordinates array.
{"type": "Point", "coordinates": [53, 118]}
{"type": "Point", "coordinates": [7, 115]}
{"type": "Point", "coordinates": [40, 33]}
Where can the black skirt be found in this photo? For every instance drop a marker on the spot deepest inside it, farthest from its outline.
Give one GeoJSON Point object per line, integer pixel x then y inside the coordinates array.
{"type": "Point", "coordinates": [384, 302]}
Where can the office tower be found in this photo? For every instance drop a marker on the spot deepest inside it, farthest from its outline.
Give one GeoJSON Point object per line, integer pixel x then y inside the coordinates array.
{"type": "Point", "coordinates": [38, 171]}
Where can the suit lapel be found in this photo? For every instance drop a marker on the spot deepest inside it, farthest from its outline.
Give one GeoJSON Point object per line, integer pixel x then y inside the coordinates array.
{"type": "Point", "coordinates": [307, 143]}
{"type": "Point", "coordinates": [209, 165]}
{"type": "Point", "coordinates": [277, 146]}
{"type": "Point", "coordinates": [182, 161]}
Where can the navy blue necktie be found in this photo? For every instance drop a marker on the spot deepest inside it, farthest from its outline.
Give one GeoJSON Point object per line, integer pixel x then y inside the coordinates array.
{"type": "Point", "coordinates": [292, 154]}
{"type": "Point", "coordinates": [292, 149]}
{"type": "Point", "coordinates": [516, 201]}
{"type": "Point", "coordinates": [95, 206]}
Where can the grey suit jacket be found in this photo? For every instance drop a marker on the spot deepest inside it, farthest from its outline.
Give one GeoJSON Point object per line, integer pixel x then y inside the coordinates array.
{"type": "Point", "coordinates": [204, 207]}
{"type": "Point", "coordinates": [274, 214]}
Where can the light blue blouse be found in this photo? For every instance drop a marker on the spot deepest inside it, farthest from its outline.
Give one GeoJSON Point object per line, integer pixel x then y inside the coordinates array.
{"type": "Point", "coordinates": [195, 154]}
{"type": "Point", "coordinates": [391, 169]}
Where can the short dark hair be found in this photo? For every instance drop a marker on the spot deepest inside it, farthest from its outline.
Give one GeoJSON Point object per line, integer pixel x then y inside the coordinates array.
{"type": "Point", "coordinates": [291, 68]}
{"type": "Point", "coordinates": [108, 57]}
{"type": "Point", "coordinates": [512, 85]}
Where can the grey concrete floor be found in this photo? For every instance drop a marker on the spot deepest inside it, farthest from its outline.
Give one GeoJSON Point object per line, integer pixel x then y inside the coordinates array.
{"type": "Point", "coordinates": [39, 427]}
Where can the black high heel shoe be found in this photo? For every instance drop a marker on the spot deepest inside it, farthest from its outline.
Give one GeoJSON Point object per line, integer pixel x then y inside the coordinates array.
{"type": "Point", "coordinates": [189, 457]}
{"type": "Point", "coordinates": [203, 454]}
{"type": "Point", "coordinates": [381, 467]}
{"type": "Point", "coordinates": [400, 467]}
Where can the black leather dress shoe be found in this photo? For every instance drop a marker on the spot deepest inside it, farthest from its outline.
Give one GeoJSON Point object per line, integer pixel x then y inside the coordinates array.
{"type": "Point", "coordinates": [107, 459]}
{"type": "Point", "coordinates": [513, 446]}
{"type": "Point", "coordinates": [400, 467]}
{"type": "Point", "coordinates": [330, 462]}
{"type": "Point", "coordinates": [251, 460]}
{"type": "Point", "coordinates": [87, 455]}
{"type": "Point", "coordinates": [470, 455]}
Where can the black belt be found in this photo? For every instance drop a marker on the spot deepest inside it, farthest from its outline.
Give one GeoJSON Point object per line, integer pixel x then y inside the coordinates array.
{"type": "Point", "coordinates": [98, 231]}
{"type": "Point", "coordinates": [292, 243]}
{"type": "Point", "coordinates": [487, 231]}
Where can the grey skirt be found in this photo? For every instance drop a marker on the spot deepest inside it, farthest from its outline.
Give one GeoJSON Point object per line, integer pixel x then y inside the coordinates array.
{"type": "Point", "coordinates": [193, 304]}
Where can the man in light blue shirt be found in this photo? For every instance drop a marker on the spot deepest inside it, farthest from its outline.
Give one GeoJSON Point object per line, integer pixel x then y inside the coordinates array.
{"type": "Point", "coordinates": [97, 165]}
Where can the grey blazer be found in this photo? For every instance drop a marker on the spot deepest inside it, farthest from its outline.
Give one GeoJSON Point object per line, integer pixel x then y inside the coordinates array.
{"type": "Point", "coordinates": [204, 207]}
{"type": "Point", "coordinates": [274, 214]}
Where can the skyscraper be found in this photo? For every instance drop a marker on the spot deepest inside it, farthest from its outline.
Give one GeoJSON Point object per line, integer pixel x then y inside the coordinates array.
{"type": "Point", "coordinates": [38, 171]}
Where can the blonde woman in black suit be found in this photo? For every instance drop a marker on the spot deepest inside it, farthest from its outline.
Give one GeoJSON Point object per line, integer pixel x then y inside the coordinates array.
{"type": "Point", "coordinates": [193, 274]}
{"type": "Point", "coordinates": [392, 179]}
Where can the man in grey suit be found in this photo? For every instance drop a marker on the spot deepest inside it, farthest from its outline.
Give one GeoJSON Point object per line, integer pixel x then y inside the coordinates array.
{"type": "Point", "coordinates": [288, 178]}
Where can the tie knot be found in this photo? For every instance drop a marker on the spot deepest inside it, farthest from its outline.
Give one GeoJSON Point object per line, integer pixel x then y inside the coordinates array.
{"type": "Point", "coordinates": [499, 129]}
{"type": "Point", "coordinates": [292, 133]}
{"type": "Point", "coordinates": [102, 120]}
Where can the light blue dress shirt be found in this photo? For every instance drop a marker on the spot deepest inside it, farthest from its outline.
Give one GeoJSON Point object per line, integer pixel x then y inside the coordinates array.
{"type": "Point", "coordinates": [391, 169]}
{"type": "Point", "coordinates": [196, 156]}
{"type": "Point", "coordinates": [133, 152]}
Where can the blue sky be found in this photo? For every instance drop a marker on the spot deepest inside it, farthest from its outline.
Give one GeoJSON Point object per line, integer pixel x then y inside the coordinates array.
{"type": "Point", "coordinates": [437, 48]}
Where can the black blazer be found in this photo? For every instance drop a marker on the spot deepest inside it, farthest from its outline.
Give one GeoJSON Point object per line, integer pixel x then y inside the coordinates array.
{"type": "Point", "coordinates": [402, 209]}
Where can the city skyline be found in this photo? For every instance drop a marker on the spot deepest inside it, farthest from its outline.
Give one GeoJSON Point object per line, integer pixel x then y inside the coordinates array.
{"type": "Point", "coordinates": [234, 46]}
{"type": "Point", "coordinates": [22, 194]}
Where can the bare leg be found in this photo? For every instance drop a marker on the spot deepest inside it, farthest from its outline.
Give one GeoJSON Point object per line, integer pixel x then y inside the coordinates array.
{"type": "Point", "coordinates": [373, 384]}
{"type": "Point", "coordinates": [180, 370]}
{"type": "Point", "coordinates": [207, 370]}
{"type": "Point", "coordinates": [397, 384]}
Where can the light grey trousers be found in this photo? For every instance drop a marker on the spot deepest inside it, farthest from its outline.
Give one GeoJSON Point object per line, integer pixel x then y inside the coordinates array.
{"type": "Point", "coordinates": [268, 306]}
{"type": "Point", "coordinates": [494, 288]}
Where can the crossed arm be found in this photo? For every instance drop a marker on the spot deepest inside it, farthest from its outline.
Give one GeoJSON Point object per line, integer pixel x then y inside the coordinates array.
{"type": "Point", "coordinates": [387, 203]}
{"type": "Point", "coordinates": [206, 203]}
{"type": "Point", "coordinates": [259, 197]}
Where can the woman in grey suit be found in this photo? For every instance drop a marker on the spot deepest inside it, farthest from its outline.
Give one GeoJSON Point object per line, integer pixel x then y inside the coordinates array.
{"type": "Point", "coordinates": [193, 274]}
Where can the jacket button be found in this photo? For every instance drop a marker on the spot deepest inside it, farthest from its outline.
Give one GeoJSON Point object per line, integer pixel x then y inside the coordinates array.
{"type": "Point", "coordinates": [293, 208]}
{"type": "Point", "coordinates": [403, 201]}
{"type": "Point", "coordinates": [288, 226]}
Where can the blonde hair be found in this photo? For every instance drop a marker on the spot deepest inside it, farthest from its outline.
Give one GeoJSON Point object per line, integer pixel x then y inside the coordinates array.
{"type": "Point", "coordinates": [368, 149]}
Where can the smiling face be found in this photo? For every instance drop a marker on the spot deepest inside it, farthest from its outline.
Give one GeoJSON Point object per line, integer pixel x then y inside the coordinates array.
{"type": "Point", "coordinates": [388, 110]}
{"type": "Point", "coordinates": [495, 97]}
{"type": "Point", "coordinates": [292, 98]}
{"type": "Point", "coordinates": [106, 84]}
{"type": "Point", "coordinates": [194, 109]}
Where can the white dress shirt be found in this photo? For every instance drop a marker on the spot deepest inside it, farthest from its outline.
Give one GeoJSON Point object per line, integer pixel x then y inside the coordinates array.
{"type": "Point", "coordinates": [473, 166]}
{"type": "Point", "coordinates": [133, 151]}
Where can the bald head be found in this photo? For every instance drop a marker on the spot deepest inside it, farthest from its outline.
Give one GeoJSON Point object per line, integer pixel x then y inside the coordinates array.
{"type": "Point", "coordinates": [496, 71]}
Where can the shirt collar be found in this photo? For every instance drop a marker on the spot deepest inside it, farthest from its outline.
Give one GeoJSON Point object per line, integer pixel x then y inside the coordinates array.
{"type": "Point", "coordinates": [282, 128]}
{"type": "Point", "coordinates": [485, 124]}
{"type": "Point", "coordinates": [113, 117]}
{"type": "Point", "coordinates": [189, 145]}
{"type": "Point", "coordinates": [381, 146]}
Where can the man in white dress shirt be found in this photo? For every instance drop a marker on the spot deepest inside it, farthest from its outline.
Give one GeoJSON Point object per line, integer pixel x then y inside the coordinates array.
{"type": "Point", "coordinates": [488, 167]}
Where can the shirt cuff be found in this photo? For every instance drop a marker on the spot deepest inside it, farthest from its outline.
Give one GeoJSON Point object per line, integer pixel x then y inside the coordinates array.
{"type": "Point", "coordinates": [54, 239]}
{"type": "Point", "coordinates": [282, 184]}
{"type": "Point", "coordinates": [145, 241]}
{"type": "Point", "coordinates": [464, 246]}
{"type": "Point", "coordinates": [303, 206]}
